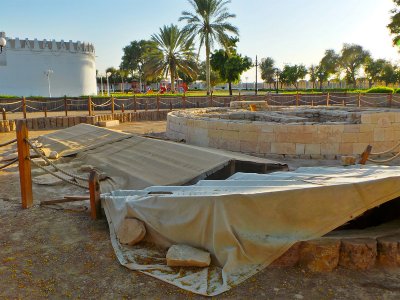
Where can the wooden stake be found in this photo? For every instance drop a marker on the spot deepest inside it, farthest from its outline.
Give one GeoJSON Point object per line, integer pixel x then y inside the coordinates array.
{"type": "Point", "coordinates": [24, 107]}
{"type": "Point", "coordinates": [327, 99]}
{"type": "Point", "coordinates": [90, 106]}
{"type": "Point", "coordinates": [365, 155]}
{"type": "Point", "coordinates": [112, 107]}
{"type": "Point", "coordinates": [123, 108]}
{"type": "Point", "coordinates": [45, 111]}
{"type": "Point", "coordinates": [66, 106]}
{"type": "Point", "coordinates": [94, 189]}
{"type": "Point", "coordinates": [4, 114]}
{"type": "Point", "coordinates": [170, 105]}
{"type": "Point", "coordinates": [24, 164]}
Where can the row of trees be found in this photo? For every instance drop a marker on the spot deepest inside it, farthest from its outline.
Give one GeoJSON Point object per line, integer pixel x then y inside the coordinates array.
{"type": "Point", "coordinates": [171, 52]}
{"type": "Point", "coordinates": [348, 63]}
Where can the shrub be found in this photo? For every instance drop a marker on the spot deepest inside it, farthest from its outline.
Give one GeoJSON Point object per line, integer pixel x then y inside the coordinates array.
{"type": "Point", "coordinates": [397, 91]}
{"type": "Point", "coordinates": [380, 90]}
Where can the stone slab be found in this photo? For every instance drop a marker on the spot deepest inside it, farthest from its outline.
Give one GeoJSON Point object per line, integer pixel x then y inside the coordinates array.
{"type": "Point", "coordinates": [187, 256]}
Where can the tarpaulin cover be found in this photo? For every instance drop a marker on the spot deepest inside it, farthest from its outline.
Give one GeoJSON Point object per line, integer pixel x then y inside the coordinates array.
{"type": "Point", "coordinates": [135, 162]}
{"type": "Point", "coordinates": [245, 222]}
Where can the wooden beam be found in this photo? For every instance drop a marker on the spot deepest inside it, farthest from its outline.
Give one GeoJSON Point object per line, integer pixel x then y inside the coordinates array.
{"type": "Point", "coordinates": [25, 176]}
{"type": "Point", "coordinates": [94, 189]}
{"type": "Point", "coordinates": [365, 155]}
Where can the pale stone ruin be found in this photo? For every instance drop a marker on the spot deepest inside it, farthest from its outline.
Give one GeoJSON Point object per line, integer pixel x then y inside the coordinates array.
{"type": "Point", "coordinates": [298, 132]}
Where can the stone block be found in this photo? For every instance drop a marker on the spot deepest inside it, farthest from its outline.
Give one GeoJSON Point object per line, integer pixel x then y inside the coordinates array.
{"type": "Point", "coordinates": [389, 251]}
{"type": "Point", "coordinates": [345, 148]}
{"type": "Point", "coordinates": [313, 149]}
{"type": "Point", "coordinates": [359, 148]}
{"type": "Point", "coordinates": [366, 137]}
{"type": "Point", "coordinates": [64, 122]}
{"type": "Point", "coordinates": [351, 128]}
{"type": "Point", "coordinates": [131, 232]}
{"type": "Point", "coordinates": [300, 149]}
{"type": "Point", "coordinates": [379, 134]}
{"type": "Point", "coordinates": [366, 118]}
{"type": "Point", "coordinates": [329, 149]}
{"type": "Point", "coordinates": [108, 123]}
{"type": "Point", "coordinates": [35, 124]}
{"type": "Point", "coordinates": [264, 147]}
{"type": "Point", "coordinates": [358, 254]}
{"type": "Point", "coordinates": [289, 259]}
{"type": "Point", "coordinates": [249, 147]}
{"type": "Point", "coordinates": [384, 122]}
{"type": "Point", "coordinates": [348, 160]}
{"type": "Point", "coordinates": [186, 256]}
{"type": "Point", "coordinates": [321, 255]}
{"type": "Point", "coordinates": [349, 137]}
{"type": "Point", "coordinates": [59, 122]}
{"type": "Point", "coordinates": [283, 148]}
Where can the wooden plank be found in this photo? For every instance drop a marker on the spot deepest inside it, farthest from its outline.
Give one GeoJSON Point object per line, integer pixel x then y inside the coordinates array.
{"type": "Point", "coordinates": [365, 155]}
{"type": "Point", "coordinates": [25, 176]}
{"type": "Point", "coordinates": [94, 190]}
{"type": "Point", "coordinates": [65, 200]}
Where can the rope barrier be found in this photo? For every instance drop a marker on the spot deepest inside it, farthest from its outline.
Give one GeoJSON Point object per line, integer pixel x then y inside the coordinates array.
{"type": "Point", "coordinates": [8, 143]}
{"type": "Point", "coordinates": [101, 105]}
{"type": "Point", "coordinates": [34, 148]}
{"type": "Point", "coordinates": [58, 176]}
{"type": "Point", "coordinates": [15, 109]}
{"type": "Point", "coordinates": [385, 160]}
{"type": "Point", "coordinates": [56, 108]}
{"type": "Point", "coordinates": [8, 164]}
{"type": "Point", "coordinates": [12, 103]}
{"type": "Point", "coordinates": [34, 108]}
{"type": "Point", "coordinates": [388, 151]}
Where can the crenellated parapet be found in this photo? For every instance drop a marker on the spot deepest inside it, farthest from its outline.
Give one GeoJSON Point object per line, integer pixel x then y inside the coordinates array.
{"type": "Point", "coordinates": [48, 45]}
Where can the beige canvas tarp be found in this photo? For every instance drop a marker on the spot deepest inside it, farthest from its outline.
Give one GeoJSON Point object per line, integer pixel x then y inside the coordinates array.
{"type": "Point", "coordinates": [245, 222]}
{"type": "Point", "coordinates": [135, 162]}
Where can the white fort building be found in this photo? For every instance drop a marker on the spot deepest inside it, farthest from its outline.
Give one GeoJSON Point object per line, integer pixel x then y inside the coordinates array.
{"type": "Point", "coordinates": [47, 68]}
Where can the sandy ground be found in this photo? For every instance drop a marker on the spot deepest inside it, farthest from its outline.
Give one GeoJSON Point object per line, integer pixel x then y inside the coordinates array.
{"type": "Point", "coordinates": [59, 253]}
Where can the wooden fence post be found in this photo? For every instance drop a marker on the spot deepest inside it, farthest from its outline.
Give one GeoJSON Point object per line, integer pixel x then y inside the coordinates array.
{"type": "Point", "coordinates": [390, 100]}
{"type": "Point", "coordinates": [112, 107]}
{"type": "Point", "coordinates": [170, 105]}
{"type": "Point", "coordinates": [24, 165]}
{"type": "Point", "coordinates": [90, 106]}
{"type": "Point", "coordinates": [66, 106]}
{"type": "Point", "coordinates": [184, 101]}
{"type": "Point", "coordinates": [24, 107]}
{"type": "Point", "coordinates": [145, 105]}
{"type": "Point", "coordinates": [297, 99]}
{"type": "Point", "coordinates": [94, 190]}
{"type": "Point", "coordinates": [123, 108]}
{"type": "Point", "coordinates": [134, 103]}
{"type": "Point", "coordinates": [4, 114]}
{"type": "Point", "coordinates": [158, 102]}
{"type": "Point", "coordinates": [45, 111]}
{"type": "Point", "coordinates": [327, 99]}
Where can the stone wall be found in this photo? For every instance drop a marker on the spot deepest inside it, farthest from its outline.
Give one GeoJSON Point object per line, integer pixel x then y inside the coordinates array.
{"type": "Point", "coordinates": [379, 129]}
{"type": "Point", "coordinates": [63, 122]}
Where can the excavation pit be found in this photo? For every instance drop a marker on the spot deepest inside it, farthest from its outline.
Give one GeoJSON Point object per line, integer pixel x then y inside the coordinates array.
{"type": "Point", "coordinates": [298, 132]}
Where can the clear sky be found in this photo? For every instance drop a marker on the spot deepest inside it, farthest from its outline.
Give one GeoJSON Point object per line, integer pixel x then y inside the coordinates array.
{"type": "Point", "coordinates": [290, 31]}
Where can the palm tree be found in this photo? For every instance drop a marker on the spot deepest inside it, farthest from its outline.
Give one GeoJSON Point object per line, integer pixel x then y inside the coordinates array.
{"type": "Point", "coordinates": [209, 22]}
{"type": "Point", "coordinates": [173, 53]}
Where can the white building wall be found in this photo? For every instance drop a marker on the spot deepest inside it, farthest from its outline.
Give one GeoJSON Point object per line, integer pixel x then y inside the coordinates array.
{"type": "Point", "coordinates": [23, 66]}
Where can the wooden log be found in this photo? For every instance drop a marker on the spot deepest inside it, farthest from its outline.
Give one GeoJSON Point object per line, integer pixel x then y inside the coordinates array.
{"type": "Point", "coordinates": [94, 190]}
{"type": "Point", "coordinates": [65, 200]}
{"type": "Point", "coordinates": [24, 107]}
{"type": "Point", "coordinates": [365, 155]}
{"type": "Point", "coordinates": [90, 106]}
{"type": "Point", "coordinates": [66, 106]}
{"type": "Point", "coordinates": [45, 111]}
{"type": "Point", "coordinates": [24, 165]}
{"type": "Point", "coordinates": [112, 106]}
{"type": "Point", "coordinates": [123, 108]}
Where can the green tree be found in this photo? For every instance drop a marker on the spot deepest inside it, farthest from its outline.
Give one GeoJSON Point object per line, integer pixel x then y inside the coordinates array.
{"type": "Point", "coordinates": [229, 65]}
{"type": "Point", "coordinates": [113, 78]}
{"type": "Point", "coordinates": [215, 79]}
{"type": "Point", "coordinates": [312, 71]}
{"type": "Point", "coordinates": [352, 58]}
{"type": "Point", "coordinates": [210, 23]}
{"type": "Point", "coordinates": [328, 66]}
{"type": "Point", "coordinates": [267, 68]}
{"type": "Point", "coordinates": [134, 54]}
{"type": "Point", "coordinates": [389, 74]}
{"type": "Point", "coordinates": [394, 25]}
{"type": "Point", "coordinates": [174, 52]}
{"type": "Point", "coordinates": [373, 70]}
{"type": "Point", "coordinates": [292, 74]}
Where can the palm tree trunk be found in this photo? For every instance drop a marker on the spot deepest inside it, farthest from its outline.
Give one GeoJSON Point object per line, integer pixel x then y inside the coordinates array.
{"type": "Point", "coordinates": [208, 67]}
{"type": "Point", "coordinates": [172, 81]}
